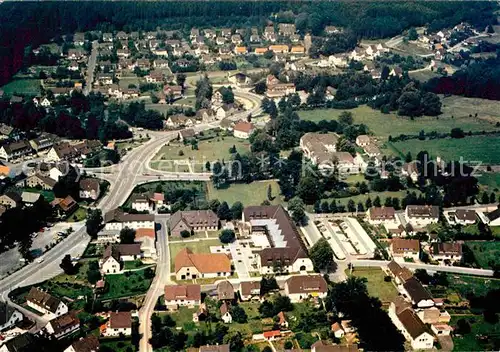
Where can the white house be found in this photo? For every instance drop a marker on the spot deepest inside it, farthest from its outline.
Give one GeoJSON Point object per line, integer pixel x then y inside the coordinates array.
{"type": "Point", "coordinates": [9, 316]}
{"type": "Point", "coordinates": [182, 296]}
{"type": "Point", "coordinates": [89, 343]}
{"type": "Point", "coordinates": [420, 216]}
{"type": "Point", "coordinates": [141, 202]}
{"type": "Point", "coordinates": [410, 325]}
{"type": "Point", "coordinates": [405, 248]}
{"type": "Point", "coordinates": [225, 315]}
{"type": "Point", "coordinates": [115, 255]}
{"type": "Point", "coordinates": [119, 323]}
{"type": "Point", "coordinates": [249, 290]}
{"type": "Point", "coordinates": [116, 220]}
{"type": "Point", "coordinates": [243, 129]}
{"type": "Point", "coordinates": [451, 251]}
{"type": "Point", "coordinates": [301, 287]}
{"type": "Point", "coordinates": [63, 325]}
{"type": "Point", "coordinates": [381, 215]}
{"type": "Point", "coordinates": [90, 188]}
{"type": "Point", "coordinates": [464, 216]}
{"type": "Point", "coordinates": [418, 294]}
{"type": "Point", "coordinates": [45, 303]}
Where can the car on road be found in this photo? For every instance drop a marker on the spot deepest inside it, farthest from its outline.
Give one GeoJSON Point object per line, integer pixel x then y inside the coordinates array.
{"type": "Point", "coordinates": [40, 260]}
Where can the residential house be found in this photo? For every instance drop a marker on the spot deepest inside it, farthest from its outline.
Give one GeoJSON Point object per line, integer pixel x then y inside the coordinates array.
{"type": "Point", "coordinates": [260, 51]}
{"type": "Point", "coordinates": [9, 316]}
{"type": "Point", "coordinates": [396, 72]}
{"type": "Point", "coordinates": [338, 60]}
{"type": "Point", "coordinates": [155, 76]}
{"type": "Point", "coordinates": [76, 54]}
{"type": "Point", "coordinates": [117, 219]}
{"type": "Point", "coordinates": [65, 206]}
{"type": "Point", "coordinates": [182, 296]}
{"type": "Point", "coordinates": [43, 302]}
{"type": "Point", "coordinates": [193, 221]}
{"type": "Point", "coordinates": [30, 198]}
{"type": "Point", "coordinates": [115, 254]}
{"type": "Point", "coordinates": [189, 265]}
{"type": "Point", "coordinates": [282, 322]}
{"type": "Point", "coordinates": [286, 246]}
{"type": "Point", "coordinates": [90, 188]}
{"type": "Point", "coordinates": [205, 115]}
{"type": "Point", "coordinates": [89, 343]}
{"type": "Point", "coordinates": [225, 110]}
{"type": "Point", "coordinates": [243, 129]}
{"type": "Point", "coordinates": [337, 330]}
{"type": "Point", "coordinates": [464, 216]}
{"type": "Point", "coordinates": [225, 314]}
{"type": "Point", "coordinates": [141, 202]}
{"type": "Point", "coordinates": [276, 89]}
{"type": "Point", "coordinates": [214, 348]}
{"type": "Point", "coordinates": [41, 143]}
{"type": "Point", "coordinates": [420, 216]}
{"type": "Point", "coordinates": [186, 134]}
{"type": "Point", "coordinates": [24, 342]}
{"type": "Point", "coordinates": [119, 323]}
{"type": "Point", "coordinates": [63, 325]}
{"type": "Point", "coordinates": [225, 291]}
{"type": "Point", "coordinates": [15, 150]}
{"type": "Point", "coordinates": [418, 294]}
{"type": "Point", "coordinates": [160, 63]}
{"type": "Point", "coordinates": [321, 346]}
{"type": "Point", "coordinates": [39, 181]}
{"type": "Point", "coordinates": [404, 248]}
{"type": "Point", "coordinates": [279, 48]}
{"type": "Point", "coordinates": [147, 240]}
{"type": "Point", "coordinates": [380, 215]}
{"type": "Point", "coordinates": [240, 50]}
{"type": "Point", "coordinates": [236, 39]}
{"type": "Point", "coordinates": [179, 120]}
{"type": "Point", "coordinates": [493, 218]}
{"type": "Point", "coordinates": [286, 29]}
{"type": "Point", "coordinates": [363, 140]}
{"type": "Point", "coordinates": [269, 34]}
{"type": "Point", "coordinates": [410, 325]}
{"type": "Point", "coordinates": [10, 199]}
{"type": "Point", "coordinates": [332, 29]}
{"type": "Point", "coordinates": [446, 251]}
{"type": "Point", "coordinates": [301, 287]}
{"type": "Point", "coordinates": [357, 54]}
{"type": "Point", "coordinates": [410, 170]}
{"type": "Point", "coordinates": [173, 92]}
{"type": "Point", "coordinates": [249, 290]}
{"type": "Point", "coordinates": [254, 38]}
{"type": "Point", "coordinates": [434, 315]}
{"type": "Point", "coordinates": [399, 273]}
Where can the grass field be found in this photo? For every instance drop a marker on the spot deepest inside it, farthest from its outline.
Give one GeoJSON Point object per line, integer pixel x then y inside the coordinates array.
{"type": "Point", "coordinates": [22, 86]}
{"type": "Point", "coordinates": [126, 81]}
{"type": "Point", "coordinates": [377, 287]}
{"type": "Point", "coordinates": [490, 181]}
{"type": "Point", "coordinates": [249, 194]}
{"type": "Point", "coordinates": [363, 197]}
{"type": "Point", "coordinates": [485, 253]}
{"type": "Point", "coordinates": [208, 150]}
{"type": "Point", "coordinates": [124, 285]}
{"type": "Point", "coordinates": [383, 125]}
{"type": "Point", "coordinates": [475, 148]}
{"type": "Point", "coordinates": [423, 76]}
{"type": "Point", "coordinates": [462, 107]}
{"type": "Point", "coordinates": [79, 215]}
{"type": "Point", "coordinates": [118, 345]}
{"type": "Point", "coordinates": [169, 186]}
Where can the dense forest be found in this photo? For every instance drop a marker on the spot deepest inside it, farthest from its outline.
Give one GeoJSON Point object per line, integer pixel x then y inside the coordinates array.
{"type": "Point", "coordinates": [26, 24]}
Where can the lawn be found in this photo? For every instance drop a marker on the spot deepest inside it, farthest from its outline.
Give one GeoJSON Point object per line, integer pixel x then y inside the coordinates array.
{"type": "Point", "coordinates": [79, 215]}
{"type": "Point", "coordinates": [23, 87]}
{"type": "Point", "coordinates": [383, 125]}
{"type": "Point", "coordinates": [247, 193]}
{"type": "Point", "coordinates": [479, 328]}
{"type": "Point", "coordinates": [118, 345]}
{"type": "Point", "coordinates": [170, 186]}
{"type": "Point", "coordinates": [377, 287]}
{"type": "Point", "coordinates": [47, 195]}
{"type": "Point", "coordinates": [126, 81]}
{"type": "Point", "coordinates": [486, 253]}
{"type": "Point", "coordinates": [471, 149]}
{"type": "Point", "coordinates": [208, 150]}
{"type": "Point", "coordinates": [128, 284]}
{"type": "Point", "coordinates": [93, 251]}
{"type": "Point", "coordinates": [363, 197]}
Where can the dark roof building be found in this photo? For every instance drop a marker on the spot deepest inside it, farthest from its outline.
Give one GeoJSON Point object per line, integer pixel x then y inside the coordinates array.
{"type": "Point", "coordinates": [418, 293]}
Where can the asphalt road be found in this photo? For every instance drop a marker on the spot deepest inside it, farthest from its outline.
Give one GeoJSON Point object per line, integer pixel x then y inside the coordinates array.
{"type": "Point", "coordinates": [89, 77]}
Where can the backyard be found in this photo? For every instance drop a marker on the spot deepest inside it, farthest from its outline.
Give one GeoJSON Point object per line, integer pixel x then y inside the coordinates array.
{"type": "Point", "coordinates": [377, 287]}
{"type": "Point", "coordinates": [247, 193]}
{"type": "Point", "coordinates": [486, 254]}
{"type": "Point", "coordinates": [213, 149]}
{"type": "Point", "coordinates": [127, 284]}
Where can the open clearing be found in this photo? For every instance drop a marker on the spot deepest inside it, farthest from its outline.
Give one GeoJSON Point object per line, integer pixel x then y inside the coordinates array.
{"type": "Point", "coordinates": [472, 149]}
{"type": "Point", "coordinates": [208, 150]}
{"type": "Point", "coordinates": [247, 193]}
{"type": "Point", "coordinates": [22, 86]}
{"type": "Point", "coordinates": [383, 125]}
{"type": "Point", "coordinates": [377, 287]}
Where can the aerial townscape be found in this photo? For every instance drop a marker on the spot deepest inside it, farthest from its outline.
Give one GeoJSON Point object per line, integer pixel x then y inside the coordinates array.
{"type": "Point", "coordinates": [249, 176]}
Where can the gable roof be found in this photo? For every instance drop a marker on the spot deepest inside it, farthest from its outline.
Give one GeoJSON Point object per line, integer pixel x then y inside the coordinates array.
{"type": "Point", "coordinates": [64, 322]}
{"type": "Point", "coordinates": [423, 211]}
{"type": "Point", "coordinates": [120, 320]}
{"type": "Point", "coordinates": [195, 218]}
{"type": "Point", "coordinates": [43, 299]}
{"type": "Point", "coordinates": [118, 215]}
{"type": "Point", "coordinates": [401, 245]}
{"type": "Point", "coordinates": [183, 292]}
{"type": "Point", "coordinates": [450, 248]}
{"type": "Point", "coordinates": [382, 213]}
{"type": "Point", "coordinates": [225, 290]}
{"type": "Point", "coordinates": [306, 284]}
{"type": "Point", "coordinates": [89, 184]}
{"type": "Point", "coordinates": [412, 323]}
{"type": "Point", "coordinates": [403, 273]}
{"type": "Point", "coordinates": [243, 126]}
{"type": "Point", "coordinates": [89, 343]}
{"type": "Point", "coordinates": [495, 214]}
{"type": "Point", "coordinates": [465, 214]}
{"type": "Point", "coordinates": [246, 287]}
{"type": "Point", "coordinates": [416, 291]}
{"type": "Point", "coordinates": [215, 348]}
{"type": "Point", "coordinates": [6, 312]}
{"type": "Point", "coordinates": [203, 262]}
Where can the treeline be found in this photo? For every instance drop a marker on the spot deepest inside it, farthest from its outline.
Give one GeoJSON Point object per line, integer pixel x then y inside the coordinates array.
{"type": "Point", "coordinates": [76, 116]}
{"type": "Point", "coordinates": [456, 133]}
{"type": "Point", "coordinates": [37, 23]}
{"type": "Point", "coordinates": [478, 80]}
